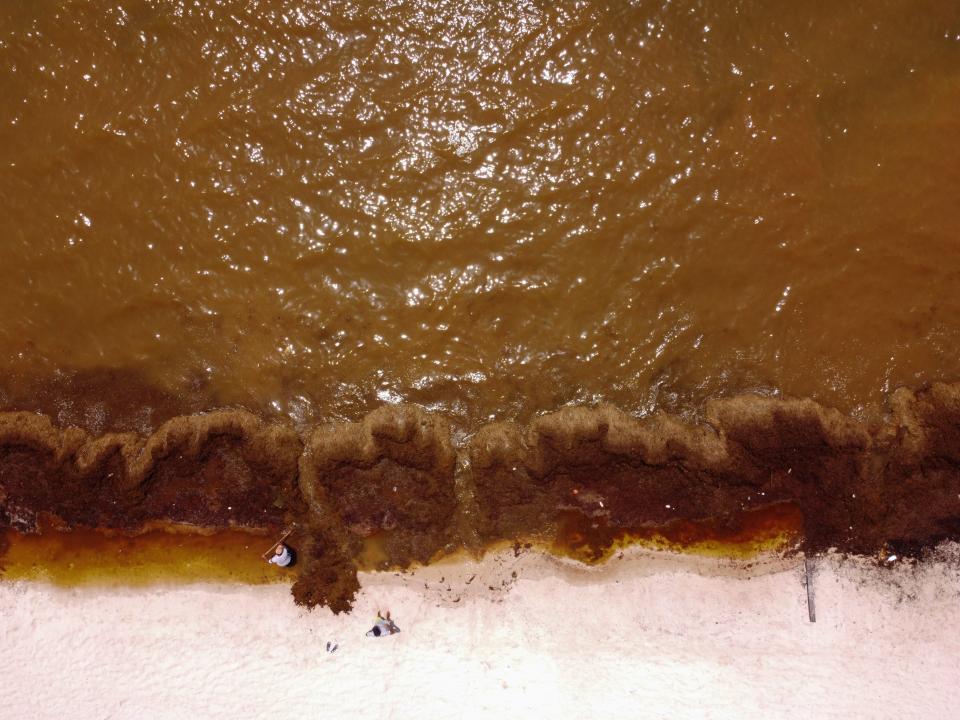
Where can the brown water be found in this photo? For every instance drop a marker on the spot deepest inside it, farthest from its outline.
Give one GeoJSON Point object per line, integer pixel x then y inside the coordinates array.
{"type": "Point", "coordinates": [83, 557]}
{"type": "Point", "coordinates": [107, 557]}
{"type": "Point", "coordinates": [489, 208]}
{"type": "Point", "coordinates": [775, 527]}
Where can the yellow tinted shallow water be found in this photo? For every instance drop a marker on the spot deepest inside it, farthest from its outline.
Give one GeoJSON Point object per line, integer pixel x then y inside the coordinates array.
{"type": "Point", "coordinates": [97, 557]}
{"type": "Point", "coordinates": [107, 557]}
{"type": "Point", "coordinates": [488, 208]}
{"type": "Point", "coordinates": [773, 528]}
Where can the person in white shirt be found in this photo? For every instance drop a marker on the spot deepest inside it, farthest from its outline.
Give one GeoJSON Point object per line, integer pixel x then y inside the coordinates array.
{"type": "Point", "coordinates": [383, 626]}
{"type": "Point", "coordinates": [283, 556]}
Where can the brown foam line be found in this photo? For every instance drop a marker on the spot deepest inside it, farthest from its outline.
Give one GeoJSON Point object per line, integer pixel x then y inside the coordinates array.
{"type": "Point", "coordinates": [208, 470]}
{"type": "Point", "coordinates": [394, 478]}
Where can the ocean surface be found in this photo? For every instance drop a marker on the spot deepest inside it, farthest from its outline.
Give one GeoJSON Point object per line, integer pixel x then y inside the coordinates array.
{"type": "Point", "coordinates": [492, 209]}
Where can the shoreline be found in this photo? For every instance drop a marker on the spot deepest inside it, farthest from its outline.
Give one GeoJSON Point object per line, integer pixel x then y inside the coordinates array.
{"type": "Point", "coordinates": [581, 480]}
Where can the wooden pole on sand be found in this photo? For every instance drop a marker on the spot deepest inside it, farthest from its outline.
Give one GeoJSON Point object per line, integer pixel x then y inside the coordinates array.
{"type": "Point", "coordinates": [808, 569]}
{"type": "Point", "coordinates": [282, 538]}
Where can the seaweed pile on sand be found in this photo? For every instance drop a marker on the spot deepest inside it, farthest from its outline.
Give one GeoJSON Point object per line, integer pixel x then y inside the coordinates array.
{"type": "Point", "coordinates": [398, 478]}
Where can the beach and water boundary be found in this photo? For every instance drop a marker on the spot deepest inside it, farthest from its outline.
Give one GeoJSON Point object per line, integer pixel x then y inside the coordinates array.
{"type": "Point", "coordinates": [395, 490]}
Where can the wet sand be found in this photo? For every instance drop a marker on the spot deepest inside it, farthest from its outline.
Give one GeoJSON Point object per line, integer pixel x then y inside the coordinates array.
{"type": "Point", "coordinates": [665, 637]}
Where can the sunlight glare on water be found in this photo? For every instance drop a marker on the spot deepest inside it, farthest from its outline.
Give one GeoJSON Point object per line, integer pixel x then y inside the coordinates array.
{"type": "Point", "coordinates": [492, 209]}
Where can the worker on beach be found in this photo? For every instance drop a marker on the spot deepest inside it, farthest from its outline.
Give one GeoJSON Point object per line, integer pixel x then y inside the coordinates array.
{"type": "Point", "coordinates": [283, 556]}
{"type": "Point", "coordinates": [383, 626]}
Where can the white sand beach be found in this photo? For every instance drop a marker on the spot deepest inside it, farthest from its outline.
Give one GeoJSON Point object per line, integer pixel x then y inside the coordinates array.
{"type": "Point", "coordinates": [646, 636]}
